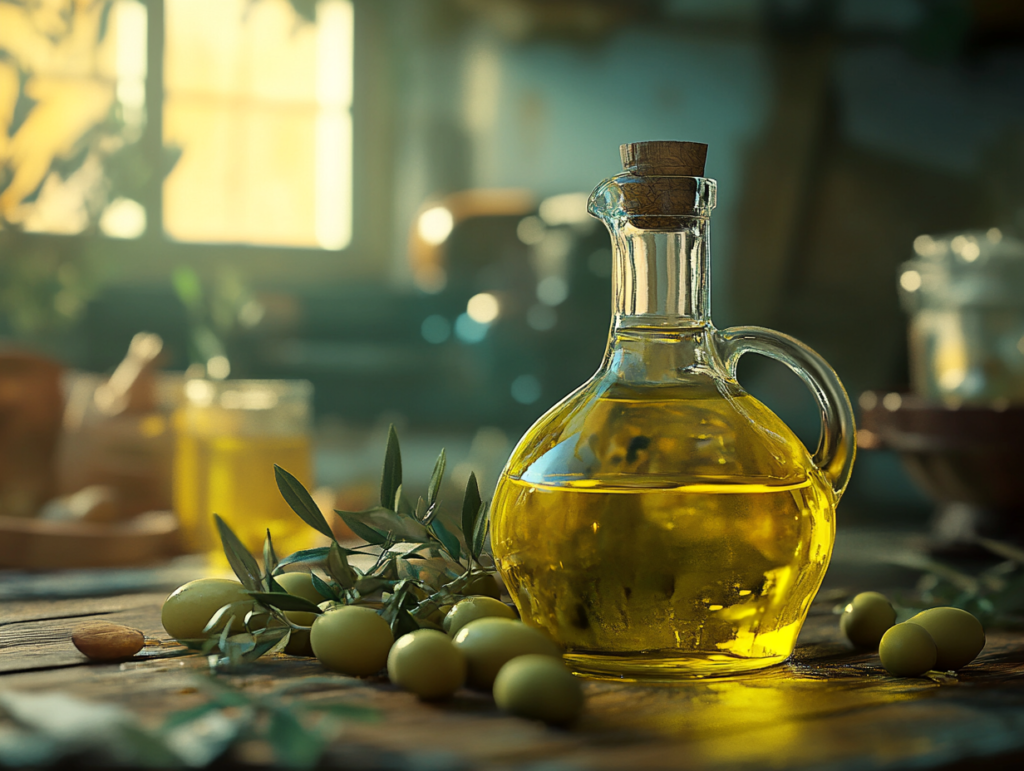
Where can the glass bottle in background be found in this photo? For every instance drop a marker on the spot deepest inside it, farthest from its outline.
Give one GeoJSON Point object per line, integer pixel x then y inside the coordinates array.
{"type": "Point", "coordinates": [659, 522]}
{"type": "Point", "coordinates": [230, 434]}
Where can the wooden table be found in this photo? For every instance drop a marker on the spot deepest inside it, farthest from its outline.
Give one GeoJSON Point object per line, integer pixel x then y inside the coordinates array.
{"type": "Point", "coordinates": [827, 708]}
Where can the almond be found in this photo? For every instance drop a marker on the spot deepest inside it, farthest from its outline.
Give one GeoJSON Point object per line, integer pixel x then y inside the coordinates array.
{"type": "Point", "coordinates": [107, 642]}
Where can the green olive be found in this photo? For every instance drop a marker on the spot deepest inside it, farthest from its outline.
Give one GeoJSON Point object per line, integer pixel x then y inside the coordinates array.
{"type": "Point", "coordinates": [472, 608]}
{"type": "Point", "coordinates": [352, 639]}
{"type": "Point", "coordinates": [301, 585]}
{"type": "Point", "coordinates": [907, 650]}
{"type": "Point", "coordinates": [485, 585]}
{"type": "Point", "coordinates": [489, 643]}
{"type": "Point", "coordinates": [190, 607]}
{"type": "Point", "coordinates": [866, 619]}
{"type": "Point", "coordinates": [427, 663]}
{"type": "Point", "coordinates": [538, 687]}
{"type": "Point", "coordinates": [958, 635]}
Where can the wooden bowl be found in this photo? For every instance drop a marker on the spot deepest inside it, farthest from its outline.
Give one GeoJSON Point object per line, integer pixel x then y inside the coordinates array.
{"type": "Point", "coordinates": [969, 460]}
{"type": "Point", "coordinates": [38, 544]}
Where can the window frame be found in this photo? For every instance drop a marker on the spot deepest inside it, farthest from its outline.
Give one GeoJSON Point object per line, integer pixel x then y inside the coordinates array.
{"type": "Point", "coordinates": [152, 257]}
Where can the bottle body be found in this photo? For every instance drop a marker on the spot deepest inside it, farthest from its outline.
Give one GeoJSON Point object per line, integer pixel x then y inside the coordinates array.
{"type": "Point", "coordinates": [656, 532]}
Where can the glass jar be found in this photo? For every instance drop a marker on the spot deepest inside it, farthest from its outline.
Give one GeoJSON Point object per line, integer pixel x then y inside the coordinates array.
{"type": "Point", "coordinates": [964, 293]}
{"type": "Point", "coordinates": [230, 434]}
{"type": "Point", "coordinates": [659, 522]}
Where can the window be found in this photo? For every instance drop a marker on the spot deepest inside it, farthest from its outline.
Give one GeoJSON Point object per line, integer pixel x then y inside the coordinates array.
{"type": "Point", "coordinates": [254, 98]}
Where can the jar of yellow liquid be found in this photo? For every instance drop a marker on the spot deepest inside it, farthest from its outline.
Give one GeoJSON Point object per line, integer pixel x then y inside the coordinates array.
{"type": "Point", "coordinates": [230, 434]}
{"type": "Point", "coordinates": [660, 522]}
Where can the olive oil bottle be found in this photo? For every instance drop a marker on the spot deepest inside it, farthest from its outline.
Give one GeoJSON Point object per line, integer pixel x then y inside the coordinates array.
{"type": "Point", "coordinates": [659, 522]}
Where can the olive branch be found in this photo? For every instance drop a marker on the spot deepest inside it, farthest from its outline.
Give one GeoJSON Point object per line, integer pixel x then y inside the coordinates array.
{"type": "Point", "coordinates": [421, 565]}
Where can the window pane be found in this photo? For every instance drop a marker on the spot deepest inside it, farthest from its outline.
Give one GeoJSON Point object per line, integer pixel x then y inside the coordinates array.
{"type": "Point", "coordinates": [259, 101]}
{"type": "Point", "coordinates": [72, 106]}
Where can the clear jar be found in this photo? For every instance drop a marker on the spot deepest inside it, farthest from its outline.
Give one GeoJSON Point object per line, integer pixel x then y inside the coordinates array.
{"type": "Point", "coordinates": [964, 293]}
{"type": "Point", "coordinates": [230, 434]}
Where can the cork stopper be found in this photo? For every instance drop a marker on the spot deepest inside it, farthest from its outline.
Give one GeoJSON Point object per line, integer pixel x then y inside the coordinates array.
{"type": "Point", "coordinates": [669, 158]}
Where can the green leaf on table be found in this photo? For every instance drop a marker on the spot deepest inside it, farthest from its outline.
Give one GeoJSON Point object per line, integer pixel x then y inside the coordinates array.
{"type": "Point", "coordinates": [1002, 549]}
{"type": "Point", "coordinates": [294, 745]}
{"type": "Point", "coordinates": [284, 601]}
{"type": "Point", "coordinates": [435, 479]}
{"type": "Point", "coordinates": [233, 610]}
{"type": "Point", "coordinates": [391, 478]}
{"type": "Point", "coordinates": [301, 502]}
{"type": "Point", "coordinates": [241, 561]}
{"type": "Point", "coordinates": [368, 585]}
{"type": "Point", "coordinates": [478, 538]}
{"type": "Point", "coordinates": [470, 508]}
{"type": "Point", "coordinates": [269, 557]}
{"type": "Point", "coordinates": [340, 710]}
{"type": "Point", "coordinates": [449, 541]}
{"type": "Point", "coordinates": [323, 588]}
{"type": "Point", "coordinates": [364, 531]}
{"type": "Point", "coordinates": [402, 505]}
{"type": "Point", "coordinates": [311, 558]}
{"type": "Point", "coordinates": [339, 569]}
{"type": "Point", "coordinates": [269, 641]}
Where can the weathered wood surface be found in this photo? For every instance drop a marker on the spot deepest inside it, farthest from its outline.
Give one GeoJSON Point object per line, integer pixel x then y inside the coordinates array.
{"type": "Point", "coordinates": [828, 707]}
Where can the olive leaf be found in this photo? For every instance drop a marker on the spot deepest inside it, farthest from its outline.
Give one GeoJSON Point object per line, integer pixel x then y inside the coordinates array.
{"type": "Point", "coordinates": [435, 479]}
{"type": "Point", "coordinates": [270, 641]}
{"type": "Point", "coordinates": [284, 601]}
{"type": "Point", "coordinates": [311, 557]}
{"type": "Point", "coordinates": [323, 588]}
{"type": "Point", "coordinates": [294, 745]}
{"type": "Point", "coordinates": [367, 533]}
{"type": "Point", "coordinates": [231, 609]}
{"type": "Point", "coordinates": [478, 537]}
{"type": "Point", "coordinates": [1002, 549]}
{"type": "Point", "coordinates": [391, 478]}
{"type": "Point", "coordinates": [449, 541]}
{"type": "Point", "coordinates": [470, 509]}
{"type": "Point", "coordinates": [339, 569]}
{"type": "Point", "coordinates": [301, 502]}
{"type": "Point", "coordinates": [269, 557]}
{"type": "Point", "coordinates": [239, 558]}
{"type": "Point", "coordinates": [368, 584]}
{"type": "Point", "coordinates": [402, 505]}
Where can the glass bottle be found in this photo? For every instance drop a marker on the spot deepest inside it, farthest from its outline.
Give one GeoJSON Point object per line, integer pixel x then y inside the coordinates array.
{"type": "Point", "coordinates": [659, 522]}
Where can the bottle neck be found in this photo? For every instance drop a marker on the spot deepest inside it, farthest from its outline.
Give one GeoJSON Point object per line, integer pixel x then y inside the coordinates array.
{"type": "Point", "coordinates": [661, 321]}
{"type": "Point", "coordinates": [661, 276]}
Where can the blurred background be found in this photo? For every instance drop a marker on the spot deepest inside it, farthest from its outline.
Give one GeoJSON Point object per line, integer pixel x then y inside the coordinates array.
{"type": "Point", "coordinates": [387, 197]}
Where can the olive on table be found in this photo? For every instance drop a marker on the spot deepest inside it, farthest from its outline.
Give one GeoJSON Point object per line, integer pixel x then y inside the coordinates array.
{"type": "Point", "coordinates": [485, 585]}
{"type": "Point", "coordinates": [427, 663]}
{"type": "Point", "coordinates": [189, 608]}
{"type": "Point", "coordinates": [352, 640]}
{"type": "Point", "coordinates": [489, 643]}
{"type": "Point", "coordinates": [540, 688]}
{"type": "Point", "coordinates": [907, 650]}
{"type": "Point", "coordinates": [300, 585]}
{"type": "Point", "coordinates": [473, 608]}
{"type": "Point", "coordinates": [958, 635]}
{"type": "Point", "coordinates": [866, 618]}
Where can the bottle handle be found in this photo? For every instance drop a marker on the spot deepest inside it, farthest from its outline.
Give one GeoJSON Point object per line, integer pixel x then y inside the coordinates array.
{"type": "Point", "coordinates": [836, 444]}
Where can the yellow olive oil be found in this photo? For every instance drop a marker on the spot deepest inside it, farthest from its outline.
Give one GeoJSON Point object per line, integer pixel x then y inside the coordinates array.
{"type": "Point", "coordinates": [233, 476]}
{"type": "Point", "coordinates": [663, 533]}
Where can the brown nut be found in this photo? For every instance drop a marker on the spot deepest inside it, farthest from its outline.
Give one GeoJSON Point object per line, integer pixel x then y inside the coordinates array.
{"type": "Point", "coordinates": [107, 642]}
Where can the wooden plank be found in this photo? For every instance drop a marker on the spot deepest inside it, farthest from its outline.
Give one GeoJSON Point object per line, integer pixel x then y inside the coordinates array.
{"type": "Point", "coordinates": [829, 705]}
